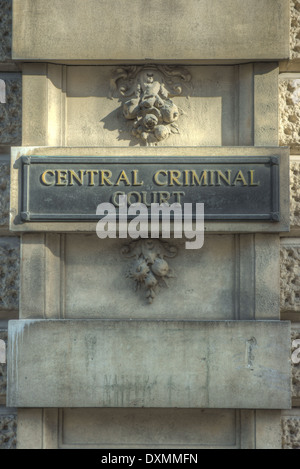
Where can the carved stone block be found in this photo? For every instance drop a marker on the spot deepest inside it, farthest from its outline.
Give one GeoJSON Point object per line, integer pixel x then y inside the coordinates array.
{"type": "Point", "coordinates": [150, 363]}
{"type": "Point", "coordinates": [295, 29]}
{"type": "Point", "coordinates": [289, 106]}
{"type": "Point", "coordinates": [11, 110]}
{"type": "Point", "coordinates": [295, 335]}
{"type": "Point", "coordinates": [5, 29]}
{"type": "Point", "coordinates": [188, 30]}
{"type": "Point", "coordinates": [290, 277]}
{"type": "Point", "coordinates": [4, 193]}
{"type": "Point", "coordinates": [9, 273]}
{"type": "Point", "coordinates": [291, 432]}
{"type": "Point", "coordinates": [8, 430]}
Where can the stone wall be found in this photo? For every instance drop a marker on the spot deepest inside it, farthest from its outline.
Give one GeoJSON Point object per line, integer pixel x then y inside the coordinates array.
{"type": "Point", "coordinates": [11, 110]}
{"type": "Point", "coordinates": [289, 106]}
{"type": "Point", "coordinates": [10, 134]}
{"type": "Point", "coordinates": [9, 273]}
{"type": "Point", "coordinates": [295, 193]}
{"type": "Point", "coordinates": [289, 135]}
{"type": "Point", "coordinates": [4, 193]}
{"type": "Point", "coordinates": [6, 30]}
{"type": "Point", "coordinates": [291, 432]}
{"type": "Point", "coordinates": [290, 277]}
{"type": "Point", "coordinates": [8, 417]}
{"type": "Point", "coordinates": [296, 366]}
{"type": "Point", "coordinates": [8, 430]}
{"type": "Point", "coordinates": [3, 337]}
{"type": "Point", "coordinates": [295, 30]}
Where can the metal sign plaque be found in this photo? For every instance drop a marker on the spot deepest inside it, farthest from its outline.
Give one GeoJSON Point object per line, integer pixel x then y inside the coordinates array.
{"type": "Point", "coordinates": [70, 188]}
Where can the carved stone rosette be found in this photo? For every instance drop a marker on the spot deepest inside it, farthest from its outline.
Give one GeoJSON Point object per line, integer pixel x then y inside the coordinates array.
{"type": "Point", "coordinates": [150, 269]}
{"type": "Point", "coordinates": [150, 88]}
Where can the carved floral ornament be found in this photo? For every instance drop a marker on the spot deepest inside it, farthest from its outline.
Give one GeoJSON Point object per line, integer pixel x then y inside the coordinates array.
{"type": "Point", "coordinates": [149, 106]}
{"type": "Point", "coordinates": [149, 268]}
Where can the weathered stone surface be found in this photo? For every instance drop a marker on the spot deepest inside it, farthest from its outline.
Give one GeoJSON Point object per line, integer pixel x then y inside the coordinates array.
{"type": "Point", "coordinates": [295, 193]}
{"type": "Point", "coordinates": [8, 430]}
{"type": "Point", "coordinates": [289, 106]}
{"type": "Point", "coordinates": [134, 428]}
{"type": "Point", "coordinates": [295, 335]}
{"type": "Point", "coordinates": [3, 373]}
{"type": "Point", "coordinates": [9, 273]}
{"type": "Point", "coordinates": [11, 110]}
{"type": "Point", "coordinates": [5, 29]}
{"type": "Point", "coordinates": [290, 277]}
{"type": "Point", "coordinates": [185, 29]}
{"type": "Point", "coordinates": [295, 29]}
{"type": "Point", "coordinates": [4, 193]}
{"type": "Point", "coordinates": [111, 363]}
{"type": "Point", "coordinates": [291, 432]}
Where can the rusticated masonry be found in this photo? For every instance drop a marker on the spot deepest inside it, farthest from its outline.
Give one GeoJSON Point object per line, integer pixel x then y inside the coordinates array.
{"type": "Point", "coordinates": [4, 193]}
{"type": "Point", "coordinates": [8, 428]}
{"type": "Point", "coordinates": [11, 110]}
{"type": "Point", "coordinates": [5, 29]}
{"type": "Point", "coordinates": [295, 335]}
{"type": "Point", "coordinates": [290, 278]}
{"type": "Point", "coordinates": [289, 106]}
{"type": "Point", "coordinates": [148, 105]}
{"type": "Point", "coordinates": [295, 194]}
{"type": "Point", "coordinates": [291, 433]}
{"type": "Point", "coordinates": [295, 29]}
{"type": "Point", "coordinates": [9, 273]}
{"type": "Point", "coordinates": [3, 337]}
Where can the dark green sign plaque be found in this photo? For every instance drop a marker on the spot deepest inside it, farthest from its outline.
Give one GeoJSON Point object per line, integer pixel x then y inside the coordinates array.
{"type": "Point", "coordinates": [70, 188]}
